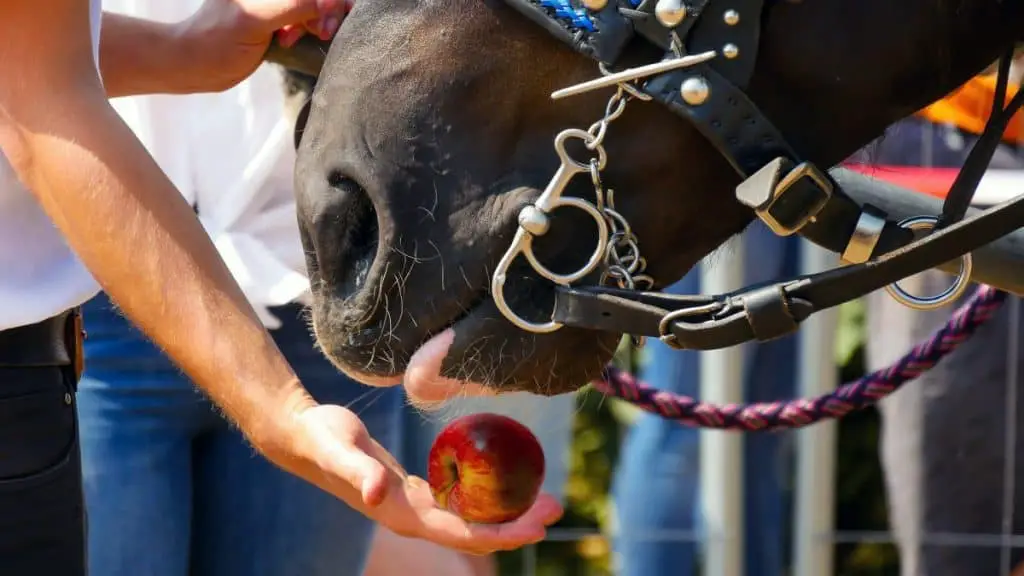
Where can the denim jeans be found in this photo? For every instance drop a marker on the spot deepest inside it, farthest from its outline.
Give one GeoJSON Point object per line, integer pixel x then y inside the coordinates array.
{"type": "Point", "coordinates": [657, 505]}
{"type": "Point", "coordinates": [173, 490]}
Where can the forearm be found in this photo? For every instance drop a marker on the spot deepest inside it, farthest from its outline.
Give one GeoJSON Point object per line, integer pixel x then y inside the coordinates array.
{"type": "Point", "coordinates": [145, 57]}
{"type": "Point", "coordinates": [146, 248]}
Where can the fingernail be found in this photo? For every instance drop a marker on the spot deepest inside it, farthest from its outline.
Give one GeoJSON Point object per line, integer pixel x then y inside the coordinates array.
{"type": "Point", "coordinates": [331, 24]}
{"type": "Point", "coordinates": [287, 37]}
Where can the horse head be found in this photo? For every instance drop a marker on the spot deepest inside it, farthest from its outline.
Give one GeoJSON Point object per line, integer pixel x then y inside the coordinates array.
{"type": "Point", "coordinates": [431, 127]}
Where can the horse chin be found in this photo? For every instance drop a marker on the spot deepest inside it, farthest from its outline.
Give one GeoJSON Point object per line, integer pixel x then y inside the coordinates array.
{"type": "Point", "coordinates": [477, 353]}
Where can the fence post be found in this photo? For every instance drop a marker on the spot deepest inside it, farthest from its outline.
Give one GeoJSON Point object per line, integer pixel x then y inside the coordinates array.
{"type": "Point", "coordinates": [816, 445]}
{"type": "Point", "coordinates": [721, 452]}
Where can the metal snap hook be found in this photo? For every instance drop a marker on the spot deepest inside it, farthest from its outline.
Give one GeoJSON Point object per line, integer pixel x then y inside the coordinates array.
{"type": "Point", "coordinates": [533, 222]}
{"type": "Point", "coordinates": [947, 296]}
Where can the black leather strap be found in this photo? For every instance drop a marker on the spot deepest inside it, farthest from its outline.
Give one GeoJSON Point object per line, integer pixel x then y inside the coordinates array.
{"type": "Point", "coordinates": [959, 198]}
{"type": "Point", "coordinates": [728, 118]}
{"type": "Point", "coordinates": [713, 32]}
{"type": "Point", "coordinates": [707, 323]}
{"type": "Point", "coordinates": [732, 123]}
{"type": "Point", "coordinates": [45, 343]}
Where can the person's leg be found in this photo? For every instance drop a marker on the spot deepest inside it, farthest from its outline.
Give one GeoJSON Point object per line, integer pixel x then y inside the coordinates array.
{"type": "Point", "coordinates": [138, 415]}
{"type": "Point", "coordinates": [42, 529]}
{"type": "Point", "coordinates": [657, 479]}
{"type": "Point", "coordinates": [393, 555]}
{"type": "Point", "coordinates": [943, 436]}
{"type": "Point", "coordinates": [943, 443]}
{"type": "Point", "coordinates": [770, 375]}
{"type": "Point", "coordinates": [254, 519]}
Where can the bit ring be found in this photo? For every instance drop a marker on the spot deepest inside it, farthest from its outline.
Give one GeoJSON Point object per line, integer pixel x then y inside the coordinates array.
{"type": "Point", "coordinates": [947, 296]}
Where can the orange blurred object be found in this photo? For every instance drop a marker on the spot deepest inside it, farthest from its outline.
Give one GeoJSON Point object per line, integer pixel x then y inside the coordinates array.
{"type": "Point", "coordinates": [969, 106]}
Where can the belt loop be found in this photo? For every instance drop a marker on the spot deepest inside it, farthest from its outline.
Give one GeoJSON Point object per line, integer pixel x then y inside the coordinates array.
{"type": "Point", "coordinates": [74, 342]}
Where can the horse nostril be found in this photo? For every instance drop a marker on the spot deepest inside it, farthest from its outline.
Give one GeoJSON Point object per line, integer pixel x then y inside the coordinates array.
{"type": "Point", "coordinates": [359, 231]}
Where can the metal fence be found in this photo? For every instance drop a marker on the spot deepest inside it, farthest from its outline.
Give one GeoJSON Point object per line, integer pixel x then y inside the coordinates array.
{"type": "Point", "coordinates": [812, 516]}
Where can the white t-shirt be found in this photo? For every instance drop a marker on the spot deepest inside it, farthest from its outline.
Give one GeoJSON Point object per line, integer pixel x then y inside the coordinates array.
{"type": "Point", "coordinates": [40, 277]}
{"type": "Point", "coordinates": [231, 155]}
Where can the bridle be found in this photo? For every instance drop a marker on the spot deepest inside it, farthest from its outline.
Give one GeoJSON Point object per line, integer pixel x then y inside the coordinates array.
{"type": "Point", "coordinates": [710, 49]}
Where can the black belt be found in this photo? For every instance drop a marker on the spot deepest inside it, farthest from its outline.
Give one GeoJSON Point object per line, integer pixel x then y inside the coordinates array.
{"type": "Point", "coordinates": [51, 342]}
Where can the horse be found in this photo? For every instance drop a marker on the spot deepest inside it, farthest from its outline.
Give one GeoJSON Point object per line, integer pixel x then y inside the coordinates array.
{"type": "Point", "coordinates": [428, 138]}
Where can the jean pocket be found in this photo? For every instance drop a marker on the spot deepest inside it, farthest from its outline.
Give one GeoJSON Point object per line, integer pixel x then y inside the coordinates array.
{"type": "Point", "coordinates": [37, 435]}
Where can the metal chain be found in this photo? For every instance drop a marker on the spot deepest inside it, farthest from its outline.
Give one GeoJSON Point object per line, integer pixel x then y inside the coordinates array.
{"type": "Point", "coordinates": [622, 261]}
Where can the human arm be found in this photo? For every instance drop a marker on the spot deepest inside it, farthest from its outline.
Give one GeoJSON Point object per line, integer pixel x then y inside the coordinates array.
{"type": "Point", "coordinates": [128, 223]}
{"type": "Point", "coordinates": [139, 238]}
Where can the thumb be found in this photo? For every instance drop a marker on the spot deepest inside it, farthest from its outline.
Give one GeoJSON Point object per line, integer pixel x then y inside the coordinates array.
{"type": "Point", "coordinates": [362, 472]}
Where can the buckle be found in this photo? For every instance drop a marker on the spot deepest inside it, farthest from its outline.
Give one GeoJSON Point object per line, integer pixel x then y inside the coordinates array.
{"type": "Point", "coordinates": [786, 199]}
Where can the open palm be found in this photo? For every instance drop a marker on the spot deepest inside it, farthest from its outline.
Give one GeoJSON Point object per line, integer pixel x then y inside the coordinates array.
{"type": "Point", "coordinates": [343, 459]}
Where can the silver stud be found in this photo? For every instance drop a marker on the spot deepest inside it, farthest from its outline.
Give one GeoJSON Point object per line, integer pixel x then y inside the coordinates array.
{"type": "Point", "coordinates": [670, 12]}
{"type": "Point", "coordinates": [595, 5]}
{"type": "Point", "coordinates": [730, 51]}
{"type": "Point", "coordinates": [533, 220]}
{"type": "Point", "coordinates": [695, 91]}
{"type": "Point", "coordinates": [731, 17]}
{"type": "Point", "coordinates": [67, 398]}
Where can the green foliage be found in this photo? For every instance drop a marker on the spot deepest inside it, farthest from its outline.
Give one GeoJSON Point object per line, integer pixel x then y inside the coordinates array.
{"type": "Point", "coordinates": [598, 430]}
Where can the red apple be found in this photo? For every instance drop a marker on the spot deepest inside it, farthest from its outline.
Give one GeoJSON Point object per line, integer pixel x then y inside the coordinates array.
{"type": "Point", "coordinates": [485, 468]}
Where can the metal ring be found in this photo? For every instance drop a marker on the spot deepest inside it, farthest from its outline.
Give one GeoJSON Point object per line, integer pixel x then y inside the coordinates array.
{"type": "Point", "coordinates": [596, 258]}
{"type": "Point", "coordinates": [954, 291]}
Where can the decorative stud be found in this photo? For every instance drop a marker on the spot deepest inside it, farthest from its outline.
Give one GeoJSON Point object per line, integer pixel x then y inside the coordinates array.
{"type": "Point", "coordinates": [533, 220]}
{"type": "Point", "coordinates": [731, 17]}
{"type": "Point", "coordinates": [670, 12]}
{"type": "Point", "coordinates": [695, 91]}
{"type": "Point", "coordinates": [730, 51]}
{"type": "Point", "coordinates": [595, 5]}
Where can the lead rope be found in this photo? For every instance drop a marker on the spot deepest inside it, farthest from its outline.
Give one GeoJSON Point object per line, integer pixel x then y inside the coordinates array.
{"type": "Point", "coordinates": [803, 412]}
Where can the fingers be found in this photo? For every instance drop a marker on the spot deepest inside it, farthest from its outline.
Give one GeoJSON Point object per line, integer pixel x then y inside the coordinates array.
{"type": "Point", "coordinates": [357, 469]}
{"type": "Point", "coordinates": [451, 531]}
{"type": "Point", "coordinates": [344, 456]}
{"type": "Point", "coordinates": [294, 18]}
{"type": "Point", "coordinates": [423, 380]}
{"type": "Point", "coordinates": [289, 35]}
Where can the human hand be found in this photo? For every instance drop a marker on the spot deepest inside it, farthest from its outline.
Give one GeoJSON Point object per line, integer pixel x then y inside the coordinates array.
{"type": "Point", "coordinates": [330, 447]}
{"type": "Point", "coordinates": [230, 37]}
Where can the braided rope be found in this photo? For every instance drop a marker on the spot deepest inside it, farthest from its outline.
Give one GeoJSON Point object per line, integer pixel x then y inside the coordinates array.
{"type": "Point", "coordinates": [804, 412]}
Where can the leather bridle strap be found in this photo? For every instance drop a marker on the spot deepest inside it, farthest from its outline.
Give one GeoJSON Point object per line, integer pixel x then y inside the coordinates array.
{"type": "Point", "coordinates": [773, 310]}
{"type": "Point", "coordinates": [788, 194]}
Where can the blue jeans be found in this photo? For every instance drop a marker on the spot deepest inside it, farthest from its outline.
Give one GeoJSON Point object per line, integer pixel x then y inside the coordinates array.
{"type": "Point", "coordinates": [173, 490]}
{"type": "Point", "coordinates": [656, 485]}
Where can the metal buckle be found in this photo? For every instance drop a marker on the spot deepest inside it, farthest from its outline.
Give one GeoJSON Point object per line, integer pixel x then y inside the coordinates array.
{"type": "Point", "coordinates": [864, 238]}
{"type": "Point", "coordinates": [808, 210]}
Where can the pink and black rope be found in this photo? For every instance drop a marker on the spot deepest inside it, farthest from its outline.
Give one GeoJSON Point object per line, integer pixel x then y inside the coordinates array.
{"type": "Point", "coordinates": [803, 412]}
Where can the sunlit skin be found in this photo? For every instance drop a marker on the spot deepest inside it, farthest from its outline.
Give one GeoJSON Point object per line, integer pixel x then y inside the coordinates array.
{"type": "Point", "coordinates": [486, 468]}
